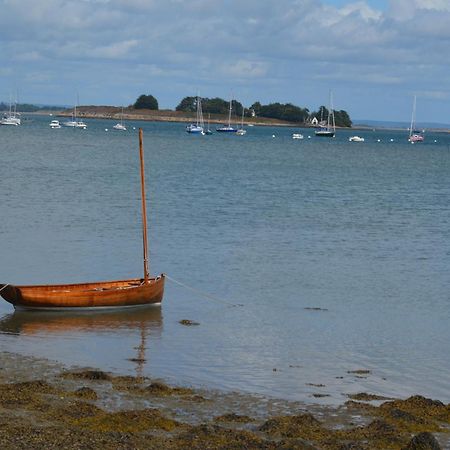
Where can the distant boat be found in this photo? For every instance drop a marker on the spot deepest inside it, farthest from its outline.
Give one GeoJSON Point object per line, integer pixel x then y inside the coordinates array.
{"type": "Point", "coordinates": [208, 132]}
{"type": "Point", "coordinates": [241, 131]}
{"type": "Point", "coordinates": [297, 136]}
{"type": "Point", "coordinates": [11, 117]}
{"type": "Point", "coordinates": [99, 295]}
{"type": "Point", "coordinates": [55, 124]}
{"type": "Point", "coordinates": [330, 129]}
{"type": "Point", "coordinates": [356, 139]}
{"type": "Point", "coordinates": [75, 123]}
{"type": "Point", "coordinates": [198, 127]}
{"type": "Point", "coordinates": [414, 135]}
{"type": "Point", "coordinates": [228, 128]}
{"type": "Point", "coordinates": [120, 126]}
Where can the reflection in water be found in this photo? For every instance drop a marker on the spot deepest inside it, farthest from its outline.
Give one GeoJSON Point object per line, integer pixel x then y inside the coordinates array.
{"type": "Point", "coordinates": [147, 320]}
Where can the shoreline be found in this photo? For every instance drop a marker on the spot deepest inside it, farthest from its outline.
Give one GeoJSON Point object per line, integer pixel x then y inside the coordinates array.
{"type": "Point", "coordinates": [114, 113]}
{"type": "Point", "coordinates": [45, 404]}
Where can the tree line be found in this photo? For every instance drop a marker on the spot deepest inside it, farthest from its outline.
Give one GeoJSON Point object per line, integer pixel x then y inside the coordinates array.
{"type": "Point", "coordinates": [281, 111]}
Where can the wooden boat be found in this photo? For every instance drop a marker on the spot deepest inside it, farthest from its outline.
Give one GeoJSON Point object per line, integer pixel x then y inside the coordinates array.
{"type": "Point", "coordinates": [98, 295]}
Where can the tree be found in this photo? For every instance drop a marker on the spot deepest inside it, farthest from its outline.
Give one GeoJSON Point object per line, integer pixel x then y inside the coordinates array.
{"type": "Point", "coordinates": [188, 104]}
{"type": "Point", "coordinates": [146, 102]}
{"type": "Point", "coordinates": [342, 119]}
{"type": "Point", "coordinates": [288, 111]}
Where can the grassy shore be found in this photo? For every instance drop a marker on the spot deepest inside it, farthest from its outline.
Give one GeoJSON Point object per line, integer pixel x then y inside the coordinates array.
{"type": "Point", "coordinates": [44, 405]}
{"type": "Point", "coordinates": [114, 113]}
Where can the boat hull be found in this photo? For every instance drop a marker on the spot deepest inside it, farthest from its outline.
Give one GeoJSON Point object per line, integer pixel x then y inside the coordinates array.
{"type": "Point", "coordinates": [100, 295]}
{"type": "Point", "coordinates": [324, 133]}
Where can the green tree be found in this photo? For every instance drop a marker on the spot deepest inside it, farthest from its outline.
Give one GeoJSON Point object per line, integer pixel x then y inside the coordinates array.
{"type": "Point", "coordinates": [342, 119]}
{"type": "Point", "coordinates": [188, 104]}
{"type": "Point", "coordinates": [146, 102]}
{"type": "Point", "coordinates": [288, 112]}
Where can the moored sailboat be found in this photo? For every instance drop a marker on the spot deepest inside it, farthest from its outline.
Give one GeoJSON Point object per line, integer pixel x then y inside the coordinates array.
{"type": "Point", "coordinates": [241, 131]}
{"type": "Point", "coordinates": [97, 295]}
{"type": "Point", "coordinates": [414, 135]}
{"type": "Point", "coordinates": [227, 128]}
{"type": "Point", "coordinates": [330, 129]}
{"type": "Point", "coordinates": [198, 126]}
{"type": "Point", "coordinates": [120, 126]}
{"type": "Point", "coordinates": [11, 117]}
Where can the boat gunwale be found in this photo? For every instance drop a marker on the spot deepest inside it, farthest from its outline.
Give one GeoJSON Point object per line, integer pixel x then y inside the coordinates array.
{"type": "Point", "coordinates": [79, 286]}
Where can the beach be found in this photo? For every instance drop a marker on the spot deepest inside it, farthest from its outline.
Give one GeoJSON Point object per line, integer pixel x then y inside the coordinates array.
{"type": "Point", "coordinates": [46, 405]}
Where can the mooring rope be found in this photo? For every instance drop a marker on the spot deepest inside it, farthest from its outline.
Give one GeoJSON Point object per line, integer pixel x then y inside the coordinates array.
{"type": "Point", "coordinates": [5, 286]}
{"type": "Point", "coordinates": [204, 294]}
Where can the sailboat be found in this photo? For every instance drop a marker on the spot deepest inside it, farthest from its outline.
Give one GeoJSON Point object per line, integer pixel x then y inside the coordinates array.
{"type": "Point", "coordinates": [11, 118]}
{"type": "Point", "coordinates": [241, 131]}
{"type": "Point", "coordinates": [98, 295]}
{"type": "Point", "coordinates": [75, 123]}
{"type": "Point", "coordinates": [227, 128]}
{"type": "Point", "coordinates": [120, 126]}
{"type": "Point", "coordinates": [197, 128]}
{"type": "Point", "coordinates": [208, 132]}
{"type": "Point", "coordinates": [330, 129]}
{"type": "Point", "coordinates": [414, 135]}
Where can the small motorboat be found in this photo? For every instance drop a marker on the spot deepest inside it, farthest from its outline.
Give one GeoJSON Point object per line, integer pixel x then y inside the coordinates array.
{"type": "Point", "coordinates": [120, 127]}
{"type": "Point", "coordinates": [55, 124]}
{"type": "Point", "coordinates": [297, 136]}
{"type": "Point", "coordinates": [356, 139]}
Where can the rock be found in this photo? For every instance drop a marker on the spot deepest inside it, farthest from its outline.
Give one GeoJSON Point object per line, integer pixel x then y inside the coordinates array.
{"type": "Point", "coordinates": [188, 322]}
{"type": "Point", "coordinates": [423, 441]}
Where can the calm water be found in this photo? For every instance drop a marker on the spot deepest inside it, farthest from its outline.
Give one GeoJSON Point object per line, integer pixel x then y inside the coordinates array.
{"type": "Point", "coordinates": [359, 230]}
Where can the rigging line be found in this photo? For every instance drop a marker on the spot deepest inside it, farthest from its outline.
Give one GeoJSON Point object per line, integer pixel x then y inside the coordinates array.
{"type": "Point", "coordinates": [5, 286]}
{"type": "Point", "coordinates": [204, 294]}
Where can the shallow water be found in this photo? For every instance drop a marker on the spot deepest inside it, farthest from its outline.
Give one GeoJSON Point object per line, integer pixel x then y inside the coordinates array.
{"type": "Point", "coordinates": [356, 232]}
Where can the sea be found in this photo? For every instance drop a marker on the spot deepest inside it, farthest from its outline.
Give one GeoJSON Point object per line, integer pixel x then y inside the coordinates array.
{"type": "Point", "coordinates": [309, 269]}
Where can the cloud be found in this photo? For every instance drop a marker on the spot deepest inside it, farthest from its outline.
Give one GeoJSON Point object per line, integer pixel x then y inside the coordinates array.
{"type": "Point", "coordinates": [263, 47]}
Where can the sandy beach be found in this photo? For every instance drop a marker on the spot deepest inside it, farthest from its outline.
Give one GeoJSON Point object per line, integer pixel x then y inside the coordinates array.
{"type": "Point", "coordinates": [45, 405]}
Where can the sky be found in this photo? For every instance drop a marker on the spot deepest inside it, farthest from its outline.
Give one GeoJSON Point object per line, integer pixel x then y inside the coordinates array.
{"type": "Point", "coordinates": [374, 55]}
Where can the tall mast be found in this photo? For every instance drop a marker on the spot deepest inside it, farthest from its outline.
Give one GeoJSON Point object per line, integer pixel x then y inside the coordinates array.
{"type": "Point", "coordinates": [144, 211]}
{"type": "Point", "coordinates": [229, 113]}
{"type": "Point", "coordinates": [333, 123]}
{"type": "Point", "coordinates": [413, 117]}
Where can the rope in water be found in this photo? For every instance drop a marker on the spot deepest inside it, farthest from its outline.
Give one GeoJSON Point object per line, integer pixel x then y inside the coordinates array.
{"type": "Point", "coordinates": [204, 294]}
{"type": "Point", "coordinates": [5, 286]}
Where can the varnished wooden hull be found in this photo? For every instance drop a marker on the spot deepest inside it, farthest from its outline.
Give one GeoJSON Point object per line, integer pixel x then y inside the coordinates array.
{"type": "Point", "coordinates": [100, 295]}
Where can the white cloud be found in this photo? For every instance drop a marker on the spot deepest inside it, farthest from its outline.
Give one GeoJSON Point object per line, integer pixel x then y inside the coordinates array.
{"type": "Point", "coordinates": [264, 45]}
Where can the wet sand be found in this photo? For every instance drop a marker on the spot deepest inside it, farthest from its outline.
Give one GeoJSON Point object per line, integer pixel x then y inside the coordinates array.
{"type": "Point", "coordinates": [45, 405]}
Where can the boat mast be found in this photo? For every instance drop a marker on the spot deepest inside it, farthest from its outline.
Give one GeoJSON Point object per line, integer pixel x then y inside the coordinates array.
{"type": "Point", "coordinates": [332, 113]}
{"type": "Point", "coordinates": [144, 211]}
{"type": "Point", "coordinates": [413, 117]}
{"type": "Point", "coordinates": [229, 113]}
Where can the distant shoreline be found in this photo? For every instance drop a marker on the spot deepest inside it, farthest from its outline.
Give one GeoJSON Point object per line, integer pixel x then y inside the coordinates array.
{"type": "Point", "coordinates": [114, 113]}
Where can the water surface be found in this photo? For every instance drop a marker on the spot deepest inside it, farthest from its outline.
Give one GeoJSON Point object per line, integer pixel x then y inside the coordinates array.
{"type": "Point", "coordinates": [338, 251]}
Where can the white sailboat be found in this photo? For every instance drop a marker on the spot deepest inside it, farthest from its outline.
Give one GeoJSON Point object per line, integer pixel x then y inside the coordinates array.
{"type": "Point", "coordinates": [11, 117]}
{"type": "Point", "coordinates": [227, 128]}
{"type": "Point", "coordinates": [198, 126]}
{"type": "Point", "coordinates": [120, 126]}
{"type": "Point", "coordinates": [208, 132]}
{"type": "Point", "coordinates": [241, 131]}
{"type": "Point", "coordinates": [414, 135]}
{"type": "Point", "coordinates": [330, 129]}
{"type": "Point", "coordinates": [75, 122]}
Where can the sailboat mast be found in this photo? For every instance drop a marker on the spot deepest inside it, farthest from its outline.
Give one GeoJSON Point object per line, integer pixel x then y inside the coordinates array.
{"type": "Point", "coordinates": [413, 117]}
{"type": "Point", "coordinates": [229, 113]}
{"type": "Point", "coordinates": [144, 210]}
{"type": "Point", "coordinates": [332, 112]}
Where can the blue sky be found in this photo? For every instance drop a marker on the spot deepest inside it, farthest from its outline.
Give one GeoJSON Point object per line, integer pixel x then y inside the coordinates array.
{"type": "Point", "coordinates": [374, 55]}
